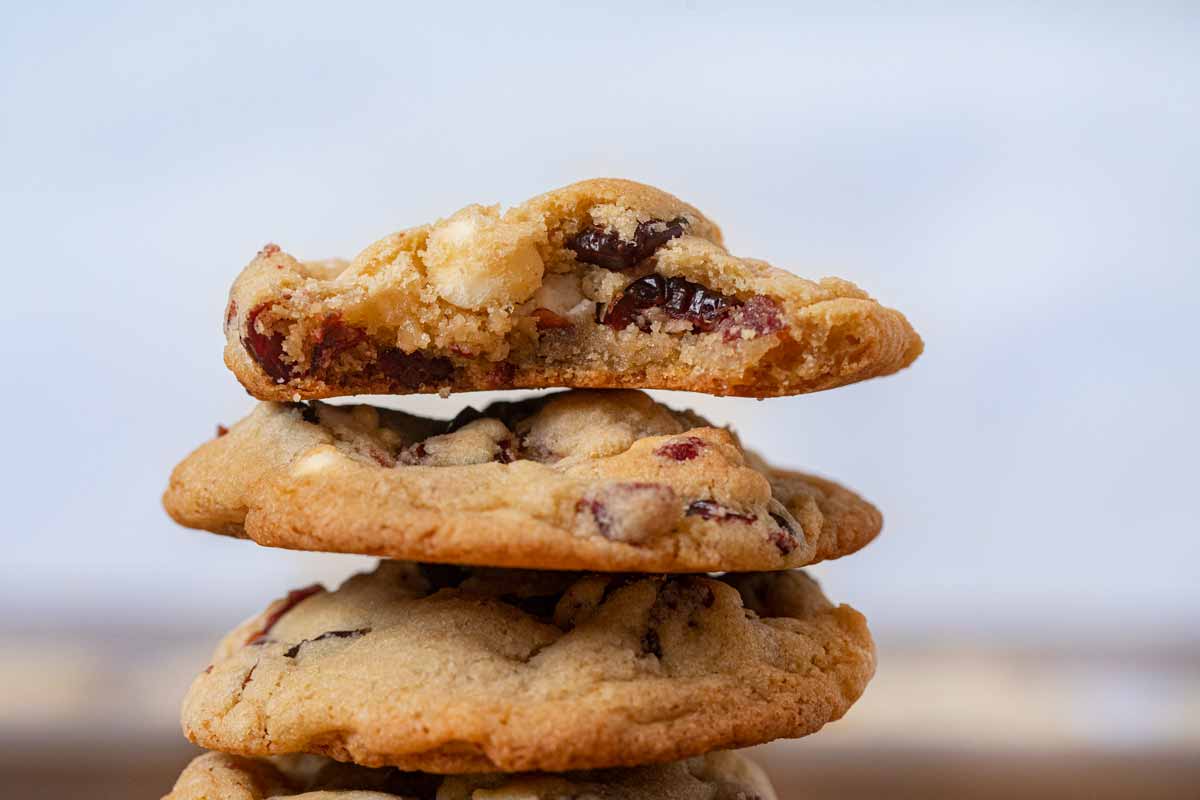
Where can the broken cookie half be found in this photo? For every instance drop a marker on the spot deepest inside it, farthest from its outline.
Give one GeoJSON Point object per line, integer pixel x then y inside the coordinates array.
{"type": "Point", "coordinates": [604, 283]}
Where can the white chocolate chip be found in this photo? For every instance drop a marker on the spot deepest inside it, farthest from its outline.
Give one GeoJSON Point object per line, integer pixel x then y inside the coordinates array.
{"type": "Point", "coordinates": [560, 293]}
{"type": "Point", "coordinates": [476, 259]}
{"type": "Point", "coordinates": [316, 460]}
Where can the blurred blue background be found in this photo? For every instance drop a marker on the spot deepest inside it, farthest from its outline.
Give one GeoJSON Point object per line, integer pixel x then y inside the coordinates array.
{"type": "Point", "coordinates": [1022, 182]}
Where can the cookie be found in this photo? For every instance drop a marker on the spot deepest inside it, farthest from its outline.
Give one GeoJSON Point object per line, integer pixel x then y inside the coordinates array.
{"type": "Point", "coordinates": [218, 776]}
{"type": "Point", "coordinates": [602, 284]}
{"type": "Point", "coordinates": [451, 670]}
{"type": "Point", "coordinates": [598, 480]}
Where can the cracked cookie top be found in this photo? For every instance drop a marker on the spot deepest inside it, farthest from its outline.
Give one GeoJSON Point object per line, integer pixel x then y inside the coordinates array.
{"type": "Point", "coordinates": [218, 776]}
{"type": "Point", "coordinates": [454, 670]}
{"type": "Point", "coordinates": [599, 480]}
{"type": "Point", "coordinates": [604, 284]}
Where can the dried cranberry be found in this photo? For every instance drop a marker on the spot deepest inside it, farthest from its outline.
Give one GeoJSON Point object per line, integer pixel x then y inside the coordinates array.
{"type": "Point", "coordinates": [265, 348]}
{"type": "Point", "coordinates": [507, 452]}
{"type": "Point", "coordinates": [330, 339]}
{"type": "Point", "coordinates": [231, 311]}
{"type": "Point", "coordinates": [414, 370]}
{"type": "Point", "coordinates": [294, 650]}
{"type": "Point", "coordinates": [698, 304]}
{"type": "Point", "coordinates": [678, 297]}
{"type": "Point", "coordinates": [293, 599]}
{"type": "Point", "coordinates": [759, 314]}
{"type": "Point", "coordinates": [605, 248]}
{"type": "Point", "coordinates": [641, 295]}
{"type": "Point", "coordinates": [682, 449]}
{"type": "Point", "coordinates": [221, 430]}
{"type": "Point", "coordinates": [784, 538]}
{"type": "Point", "coordinates": [501, 375]}
{"type": "Point", "coordinates": [269, 250]}
{"type": "Point", "coordinates": [710, 509]}
{"type": "Point", "coordinates": [381, 457]}
{"type": "Point", "coordinates": [548, 320]}
{"type": "Point", "coordinates": [413, 454]}
{"type": "Point", "coordinates": [249, 676]}
{"type": "Point", "coordinates": [633, 511]}
{"type": "Point", "coordinates": [653, 234]}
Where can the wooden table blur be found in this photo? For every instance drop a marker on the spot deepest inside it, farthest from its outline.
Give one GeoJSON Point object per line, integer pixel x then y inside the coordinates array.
{"type": "Point", "coordinates": [83, 715]}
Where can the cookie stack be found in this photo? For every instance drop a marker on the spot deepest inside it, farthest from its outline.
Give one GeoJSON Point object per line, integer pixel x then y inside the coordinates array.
{"type": "Point", "coordinates": [585, 594]}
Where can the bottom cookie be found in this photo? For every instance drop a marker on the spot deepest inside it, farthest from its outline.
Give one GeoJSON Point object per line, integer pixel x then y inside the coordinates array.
{"type": "Point", "coordinates": [217, 776]}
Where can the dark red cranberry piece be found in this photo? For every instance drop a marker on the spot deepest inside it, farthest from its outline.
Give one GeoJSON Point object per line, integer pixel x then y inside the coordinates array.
{"type": "Point", "coordinates": [678, 297]}
{"type": "Point", "coordinates": [381, 457]}
{"type": "Point", "coordinates": [269, 250]}
{"type": "Point", "coordinates": [548, 320]}
{"type": "Point", "coordinates": [615, 508]}
{"type": "Point", "coordinates": [501, 375]}
{"type": "Point", "coordinates": [249, 676]}
{"type": "Point", "coordinates": [697, 304]}
{"type": "Point", "coordinates": [293, 599]}
{"type": "Point", "coordinates": [294, 650]}
{"type": "Point", "coordinates": [605, 248]}
{"type": "Point", "coordinates": [682, 449]}
{"type": "Point", "coordinates": [413, 454]}
{"type": "Point", "coordinates": [221, 431]}
{"type": "Point", "coordinates": [332, 338]}
{"type": "Point", "coordinates": [784, 538]}
{"type": "Point", "coordinates": [641, 295]}
{"type": "Point", "coordinates": [414, 370]}
{"type": "Point", "coordinates": [710, 509]}
{"type": "Point", "coordinates": [507, 452]}
{"type": "Point", "coordinates": [265, 348]}
{"type": "Point", "coordinates": [759, 314]}
{"type": "Point", "coordinates": [231, 311]}
{"type": "Point", "coordinates": [651, 235]}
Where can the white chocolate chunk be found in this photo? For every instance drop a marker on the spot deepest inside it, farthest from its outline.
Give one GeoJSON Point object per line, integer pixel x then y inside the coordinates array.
{"type": "Point", "coordinates": [559, 293]}
{"type": "Point", "coordinates": [475, 259]}
{"type": "Point", "coordinates": [316, 460]}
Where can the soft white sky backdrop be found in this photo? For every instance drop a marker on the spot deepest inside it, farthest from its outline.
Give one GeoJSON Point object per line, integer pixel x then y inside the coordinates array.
{"type": "Point", "coordinates": [1025, 185]}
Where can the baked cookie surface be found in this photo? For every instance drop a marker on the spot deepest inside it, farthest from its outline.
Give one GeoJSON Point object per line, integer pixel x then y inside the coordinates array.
{"type": "Point", "coordinates": [603, 284]}
{"type": "Point", "coordinates": [599, 480]}
{"type": "Point", "coordinates": [217, 776]}
{"type": "Point", "coordinates": [450, 670]}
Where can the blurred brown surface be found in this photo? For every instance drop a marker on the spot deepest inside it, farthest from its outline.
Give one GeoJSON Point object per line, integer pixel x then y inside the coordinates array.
{"type": "Point", "coordinates": [799, 774]}
{"type": "Point", "coordinates": [90, 715]}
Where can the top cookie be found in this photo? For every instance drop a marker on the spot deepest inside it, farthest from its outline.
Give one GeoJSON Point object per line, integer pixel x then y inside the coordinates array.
{"type": "Point", "coordinates": [217, 776]}
{"type": "Point", "coordinates": [604, 283]}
